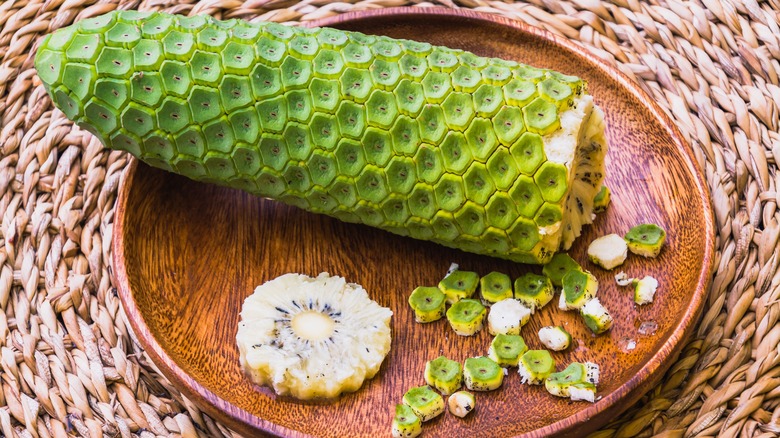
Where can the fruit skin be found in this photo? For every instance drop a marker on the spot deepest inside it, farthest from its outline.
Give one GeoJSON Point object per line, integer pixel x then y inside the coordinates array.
{"type": "Point", "coordinates": [482, 374]}
{"type": "Point", "coordinates": [428, 304]}
{"type": "Point", "coordinates": [533, 290]}
{"type": "Point", "coordinates": [458, 285]}
{"type": "Point", "coordinates": [560, 265]}
{"type": "Point", "coordinates": [425, 402]}
{"type": "Point", "coordinates": [251, 87]}
{"type": "Point", "coordinates": [601, 201]}
{"type": "Point", "coordinates": [461, 403]}
{"type": "Point", "coordinates": [578, 288]}
{"type": "Point", "coordinates": [534, 366]}
{"type": "Point", "coordinates": [608, 251]}
{"type": "Point", "coordinates": [506, 350]}
{"type": "Point", "coordinates": [448, 381]}
{"type": "Point", "coordinates": [406, 424]}
{"type": "Point", "coordinates": [466, 317]}
{"type": "Point", "coordinates": [494, 287]}
{"type": "Point", "coordinates": [508, 317]}
{"type": "Point", "coordinates": [646, 240]}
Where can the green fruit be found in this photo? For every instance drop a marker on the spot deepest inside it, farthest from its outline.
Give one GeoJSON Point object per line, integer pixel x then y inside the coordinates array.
{"type": "Point", "coordinates": [424, 402]}
{"type": "Point", "coordinates": [459, 285]}
{"type": "Point", "coordinates": [495, 287]}
{"type": "Point", "coordinates": [534, 366]}
{"type": "Point", "coordinates": [596, 316]}
{"type": "Point", "coordinates": [533, 290]}
{"type": "Point", "coordinates": [601, 201]}
{"type": "Point", "coordinates": [428, 304]}
{"type": "Point", "coordinates": [482, 374]}
{"type": "Point", "coordinates": [466, 317]}
{"type": "Point", "coordinates": [583, 376]}
{"type": "Point", "coordinates": [406, 424]}
{"type": "Point", "coordinates": [506, 350]}
{"type": "Point", "coordinates": [578, 288]}
{"type": "Point", "coordinates": [559, 266]}
{"type": "Point", "coordinates": [646, 240]}
{"type": "Point", "coordinates": [444, 374]}
{"type": "Point", "coordinates": [268, 109]}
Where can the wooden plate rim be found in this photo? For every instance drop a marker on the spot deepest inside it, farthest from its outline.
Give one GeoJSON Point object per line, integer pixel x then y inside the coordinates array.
{"type": "Point", "coordinates": [651, 372]}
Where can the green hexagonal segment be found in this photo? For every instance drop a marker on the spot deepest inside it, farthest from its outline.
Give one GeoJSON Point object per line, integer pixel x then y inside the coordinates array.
{"type": "Point", "coordinates": [378, 146]}
{"type": "Point", "coordinates": [371, 184]}
{"type": "Point", "coordinates": [266, 81]}
{"type": "Point", "coordinates": [206, 68]}
{"type": "Point", "coordinates": [458, 110]}
{"type": "Point", "coordinates": [450, 192]}
{"type": "Point", "coordinates": [541, 116]}
{"type": "Point", "coordinates": [401, 175]}
{"type": "Point", "coordinates": [176, 78]}
{"type": "Point", "coordinates": [471, 219]}
{"type": "Point", "coordinates": [173, 115]}
{"type": "Point", "coordinates": [350, 157]}
{"type": "Point", "coordinates": [508, 125]}
{"type": "Point", "coordinates": [527, 196]}
{"type": "Point", "coordinates": [528, 152]}
{"type": "Point", "coordinates": [481, 139]}
{"type": "Point", "coordinates": [502, 168]}
{"type": "Point", "coordinates": [381, 110]}
{"type": "Point", "coordinates": [501, 211]}
{"type": "Point", "coordinates": [351, 119]}
{"type": "Point", "coordinates": [299, 142]}
{"type": "Point", "coordinates": [356, 84]}
{"type": "Point", "coordinates": [146, 88]}
{"type": "Point", "coordinates": [552, 179]}
{"type": "Point", "coordinates": [328, 64]}
{"type": "Point", "coordinates": [478, 183]}
{"type": "Point", "coordinates": [114, 62]}
{"type": "Point", "coordinates": [422, 201]}
{"type": "Point", "coordinates": [409, 96]}
{"type": "Point", "coordinates": [487, 100]}
{"type": "Point", "coordinates": [455, 152]}
{"type": "Point", "coordinates": [524, 234]}
{"type": "Point", "coordinates": [296, 73]}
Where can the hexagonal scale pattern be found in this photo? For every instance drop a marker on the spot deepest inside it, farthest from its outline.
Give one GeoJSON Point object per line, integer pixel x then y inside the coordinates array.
{"type": "Point", "coordinates": [420, 140]}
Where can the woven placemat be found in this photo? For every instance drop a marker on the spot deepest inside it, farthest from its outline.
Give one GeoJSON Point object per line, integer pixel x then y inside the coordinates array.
{"type": "Point", "coordinates": [69, 361]}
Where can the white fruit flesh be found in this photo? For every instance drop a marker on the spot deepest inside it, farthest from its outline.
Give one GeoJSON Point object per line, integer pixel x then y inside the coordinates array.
{"type": "Point", "coordinates": [608, 251]}
{"type": "Point", "coordinates": [554, 338]}
{"type": "Point", "coordinates": [585, 394]}
{"type": "Point", "coordinates": [508, 317]}
{"type": "Point", "coordinates": [461, 403]}
{"type": "Point", "coordinates": [644, 290]}
{"type": "Point", "coordinates": [312, 337]}
{"type": "Point", "coordinates": [594, 309]}
{"type": "Point", "coordinates": [592, 373]}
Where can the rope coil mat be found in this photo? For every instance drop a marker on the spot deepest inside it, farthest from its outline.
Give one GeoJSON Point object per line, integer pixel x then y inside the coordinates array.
{"type": "Point", "coordinates": [70, 364]}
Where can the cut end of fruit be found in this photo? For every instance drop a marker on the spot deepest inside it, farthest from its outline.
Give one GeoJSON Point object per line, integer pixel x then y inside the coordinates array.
{"type": "Point", "coordinates": [312, 325]}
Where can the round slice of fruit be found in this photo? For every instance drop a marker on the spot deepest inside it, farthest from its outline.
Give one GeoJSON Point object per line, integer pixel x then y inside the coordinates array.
{"type": "Point", "coordinates": [312, 337]}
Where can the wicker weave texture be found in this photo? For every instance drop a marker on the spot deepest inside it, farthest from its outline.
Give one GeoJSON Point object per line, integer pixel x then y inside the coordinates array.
{"type": "Point", "coordinates": [70, 364]}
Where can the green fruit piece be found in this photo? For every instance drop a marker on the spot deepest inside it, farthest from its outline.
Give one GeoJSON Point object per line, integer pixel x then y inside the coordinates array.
{"type": "Point", "coordinates": [555, 338]}
{"type": "Point", "coordinates": [556, 92]}
{"type": "Point", "coordinates": [419, 228]}
{"type": "Point", "coordinates": [218, 165]}
{"type": "Point", "coordinates": [78, 80]}
{"type": "Point", "coordinates": [352, 119]}
{"type": "Point", "coordinates": [381, 110]}
{"type": "Point", "coordinates": [472, 60]}
{"type": "Point", "coordinates": [378, 146]}
{"type": "Point", "coordinates": [416, 47]}
{"type": "Point", "coordinates": [535, 366]}
{"type": "Point", "coordinates": [406, 136]}
{"type": "Point", "coordinates": [138, 120]}
{"type": "Point", "coordinates": [385, 74]}
{"type": "Point", "coordinates": [205, 104]}
{"type": "Point", "coordinates": [190, 141]}
{"type": "Point", "coordinates": [297, 178]}
{"type": "Point", "coordinates": [528, 152]}
{"type": "Point", "coordinates": [321, 202]}
{"type": "Point", "coordinates": [176, 78]}
{"type": "Point", "coordinates": [459, 285]}
{"type": "Point", "coordinates": [269, 183]}
{"type": "Point", "coordinates": [444, 374]}
{"type": "Point", "coordinates": [466, 316]}
{"type": "Point", "coordinates": [449, 192]}
{"type": "Point", "coordinates": [323, 167]}
{"type": "Point", "coordinates": [496, 74]}
{"type": "Point", "coordinates": [428, 304]}
{"type": "Point", "coordinates": [646, 240]}
{"type": "Point", "coordinates": [596, 316]}
{"type": "Point", "coordinates": [59, 41]}
{"type": "Point", "coordinates": [422, 201]}
{"type": "Point", "coordinates": [644, 290]}
{"type": "Point", "coordinates": [501, 211]}
{"type": "Point", "coordinates": [558, 384]}
{"type": "Point", "coordinates": [401, 178]}
{"type": "Point", "coordinates": [146, 88]}
{"type": "Point", "coordinates": [123, 35]}
{"type": "Point", "coordinates": [478, 184]}
{"type": "Point", "coordinates": [247, 159]}
{"type": "Point", "coordinates": [273, 149]}
{"type": "Point", "coordinates": [350, 157]}
{"type": "Point", "coordinates": [273, 114]}
{"type": "Point", "coordinates": [506, 350]}
{"type": "Point", "coordinates": [524, 234]}
{"type": "Point", "coordinates": [409, 96]}
{"type": "Point", "coordinates": [406, 424]}
{"type": "Point", "coordinates": [387, 49]}
{"type": "Point", "coordinates": [356, 84]}
{"type": "Point", "coordinates": [371, 184]}
{"type": "Point", "coordinates": [190, 24]}
{"type": "Point", "coordinates": [436, 86]}
{"type": "Point", "coordinates": [295, 73]}
{"type": "Point", "coordinates": [100, 115]}
{"type": "Point", "coordinates": [549, 216]}
{"type": "Point", "coordinates": [444, 227]}
{"type": "Point", "coordinates": [278, 31]}
{"type": "Point", "coordinates": [325, 131]}
{"type": "Point", "coordinates": [461, 403]}
{"type": "Point", "coordinates": [304, 46]}
{"type": "Point", "coordinates": [601, 200]}
{"type": "Point", "coordinates": [459, 111]}
{"type": "Point", "coordinates": [533, 290]}
{"type": "Point", "coordinates": [578, 288]}
{"type": "Point", "coordinates": [481, 139]}
{"type": "Point", "coordinates": [344, 191]}
{"type": "Point", "coordinates": [425, 402]}
{"type": "Point", "coordinates": [148, 55]}
{"type": "Point", "coordinates": [502, 168]}
{"type": "Point", "coordinates": [325, 95]}
{"type": "Point", "coordinates": [157, 26]}
{"type": "Point", "coordinates": [328, 64]}
{"type": "Point", "coordinates": [206, 68]}
{"type": "Point", "coordinates": [430, 164]}
{"type": "Point", "coordinates": [487, 100]}
{"type": "Point", "coordinates": [125, 141]}
{"type": "Point", "coordinates": [332, 38]}
{"type": "Point", "coordinates": [495, 287]}
{"type": "Point", "coordinates": [455, 152]}
{"type": "Point", "coordinates": [552, 181]}
{"type": "Point", "coordinates": [482, 374]}
{"type": "Point", "coordinates": [211, 39]}
{"type": "Point", "coordinates": [442, 60]}
{"type": "Point", "coordinates": [541, 116]}
{"type": "Point", "coordinates": [508, 317]}
{"type": "Point", "coordinates": [583, 391]}
{"type": "Point", "coordinates": [49, 66]}
{"type": "Point", "coordinates": [558, 267]}
{"type": "Point", "coordinates": [508, 125]}
{"type": "Point", "coordinates": [518, 92]}
{"type": "Point", "coordinates": [413, 67]}
{"type": "Point", "coordinates": [158, 145]}
{"type": "Point", "coordinates": [471, 219]}
{"type": "Point", "coordinates": [466, 79]}
{"type": "Point", "coordinates": [495, 240]}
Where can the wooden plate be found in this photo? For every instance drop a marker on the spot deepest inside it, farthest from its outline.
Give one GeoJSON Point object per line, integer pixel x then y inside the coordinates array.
{"type": "Point", "coordinates": [187, 254]}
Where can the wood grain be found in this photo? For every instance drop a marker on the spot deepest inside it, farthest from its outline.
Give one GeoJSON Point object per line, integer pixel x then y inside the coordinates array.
{"type": "Point", "coordinates": [187, 254]}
